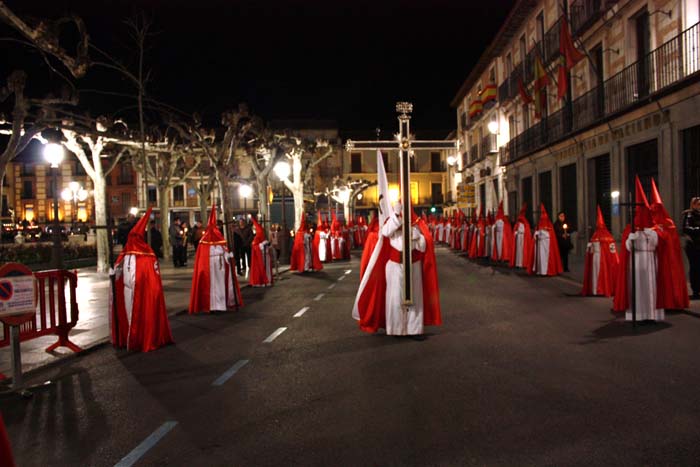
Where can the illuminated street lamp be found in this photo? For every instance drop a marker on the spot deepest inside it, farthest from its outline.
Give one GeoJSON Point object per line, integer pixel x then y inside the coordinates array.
{"type": "Point", "coordinates": [53, 153]}
{"type": "Point", "coordinates": [245, 191]}
{"type": "Point", "coordinates": [74, 194]}
{"type": "Point", "coordinates": [493, 127]}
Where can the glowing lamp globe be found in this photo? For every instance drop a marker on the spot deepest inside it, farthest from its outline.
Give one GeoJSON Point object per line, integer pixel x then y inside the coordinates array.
{"type": "Point", "coordinates": [53, 153]}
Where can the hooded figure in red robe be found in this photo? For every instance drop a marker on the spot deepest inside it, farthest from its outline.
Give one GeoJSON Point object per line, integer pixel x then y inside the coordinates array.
{"type": "Point", "coordinates": [672, 292]}
{"type": "Point", "coordinates": [502, 249]}
{"type": "Point", "coordinates": [376, 299]}
{"type": "Point", "coordinates": [602, 262]}
{"type": "Point", "coordinates": [370, 242]}
{"type": "Point", "coordinates": [477, 248]}
{"type": "Point", "coordinates": [214, 281]}
{"type": "Point", "coordinates": [547, 261]}
{"type": "Point", "coordinates": [260, 259]}
{"type": "Point", "coordinates": [139, 320]}
{"type": "Point", "coordinates": [361, 234]}
{"type": "Point", "coordinates": [304, 252]}
{"type": "Point", "coordinates": [523, 248]}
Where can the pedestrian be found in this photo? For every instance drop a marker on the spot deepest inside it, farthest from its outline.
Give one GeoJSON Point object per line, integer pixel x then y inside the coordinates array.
{"type": "Point", "coordinates": [245, 232]}
{"type": "Point", "coordinates": [261, 261]}
{"type": "Point", "coordinates": [197, 234]}
{"type": "Point", "coordinates": [275, 244]}
{"type": "Point", "coordinates": [379, 302]}
{"type": "Point", "coordinates": [186, 240]}
{"type": "Point", "coordinates": [175, 235]}
{"type": "Point", "coordinates": [691, 228]}
{"type": "Point", "coordinates": [563, 231]}
{"type": "Point", "coordinates": [156, 240]}
{"type": "Point", "coordinates": [139, 320]}
{"type": "Point", "coordinates": [547, 261]}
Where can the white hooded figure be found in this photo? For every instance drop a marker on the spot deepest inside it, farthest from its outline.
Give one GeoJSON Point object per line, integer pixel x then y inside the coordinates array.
{"type": "Point", "coordinates": [400, 320]}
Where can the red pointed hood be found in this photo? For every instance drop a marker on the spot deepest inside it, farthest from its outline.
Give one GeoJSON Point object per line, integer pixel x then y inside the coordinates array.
{"type": "Point", "coordinates": [213, 235]}
{"type": "Point", "coordinates": [601, 230]}
{"type": "Point", "coordinates": [500, 215]}
{"type": "Point", "coordinates": [302, 224]}
{"type": "Point", "coordinates": [319, 219]}
{"type": "Point", "coordinates": [136, 242]}
{"type": "Point", "coordinates": [259, 231]}
{"type": "Point", "coordinates": [335, 225]}
{"type": "Point", "coordinates": [658, 211]}
{"type": "Point", "coordinates": [642, 213]}
{"type": "Point", "coordinates": [544, 223]}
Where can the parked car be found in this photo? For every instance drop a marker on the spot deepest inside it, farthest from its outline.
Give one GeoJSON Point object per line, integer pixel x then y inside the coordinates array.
{"type": "Point", "coordinates": [30, 231]}
{"type": "Point", "coordinates": [9, 229]}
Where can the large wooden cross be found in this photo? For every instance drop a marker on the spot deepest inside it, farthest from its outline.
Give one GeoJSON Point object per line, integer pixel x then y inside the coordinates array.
{"type": "Point", "coordinates": [405, 145]}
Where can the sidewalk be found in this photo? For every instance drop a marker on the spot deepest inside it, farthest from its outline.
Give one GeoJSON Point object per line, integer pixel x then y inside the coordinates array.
{"type": "Point", "coordinates": [93, 322]}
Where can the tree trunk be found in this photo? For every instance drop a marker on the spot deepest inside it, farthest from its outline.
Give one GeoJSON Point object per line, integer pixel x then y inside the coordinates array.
{"type": "Point", "coordinates": [346, 211]}
{"type": "Point", "coordinates": [227, 208]}
{"type": "Point", "coordinates": [262, 197]}
{"type": "Point", "coordinates": [298, 193]}
{"type": "Point", "coordinates": [101, 239]}
{"type": "Point", "coordinates": [204, 192]}
{"type": "Point", "coordinates": [164, 206]}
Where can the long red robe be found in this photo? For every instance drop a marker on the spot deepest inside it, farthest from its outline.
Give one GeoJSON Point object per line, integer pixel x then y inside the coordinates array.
{"type": "Point", "coordinates": [672, 288]}
{"type": "Point", "coordinates": [213, 242]}
{"type": "Point", "coordinates": [370, 242]}
{"type": "Point", "coordinates": [371, 304]}
{"type": "Point", "coordinates": [554, 266]}
{"type": "Point", "coordinates": [146, 327]}
{"type": "Point", "coordinates": [260, 259]}
{"type": "Point", "coordinates": [507, 238]}
{"type": "Point", "coordinates": [609, 262]}
{"type": "Point", "coordinates": [298, 258]}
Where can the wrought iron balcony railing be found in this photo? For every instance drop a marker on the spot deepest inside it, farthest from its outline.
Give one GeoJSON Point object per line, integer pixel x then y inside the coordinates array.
{"type": "Point", "coordinates": [658, 72]}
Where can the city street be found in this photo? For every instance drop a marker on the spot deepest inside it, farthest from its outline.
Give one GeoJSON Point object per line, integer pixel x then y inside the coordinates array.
{"type": "Point", "coordinates": [522, 372]}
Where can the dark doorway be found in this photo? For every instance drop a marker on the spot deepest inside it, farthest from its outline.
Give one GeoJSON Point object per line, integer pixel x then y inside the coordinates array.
{"type": "Point", "coordinates": [482, 198]}
{"type": "Point", "coordinates": [436, 193]}
{"type": "Point", "coordinates": [568, 194]}
{"type": "Point", "coordinates": [600, 187]}
{"type": "Point", "coordinates": [544, 180]}
{"type": "Point", "coordinates": [690, 139]}
{"type": "Point", "coordinates": [641, 25]}
{"type": "Point", "coordinates": [527, 197]}
{"type": "Point", "coordinates": [642, 160]}
{"type": "Point", "coordinates": [513, 208]}
{"type": "Point", "coordinates": [435, 162]}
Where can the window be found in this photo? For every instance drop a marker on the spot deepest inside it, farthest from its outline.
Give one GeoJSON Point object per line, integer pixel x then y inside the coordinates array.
{"type": "Point", "coordinates": [27, 189]}
{"type": "Point", "coordinates": [79, 169]}
{"type": "Point", "coordinates": [544, 180]}
{"type": "Point", "coordinates": [27, 170]}
{"type": "Point", "coordinates": [492, 75]}
{"type": "Point", "coordinates": [512, 131]}
{"type": "Point", "coordinates": [436, 193]}
{"type": "Point", "coordinates": [526, 117]}
{"type": "Point", "coordinates": [179, 193]}
{"type": "Point", "coordinates": [125, 174]}
{"type": "Point", "coordinates": [435, 162]}
{"type": "Point", "coordinates": [152, 195]}
{"type": "Point", "coordinates": [567, 189]}
{"type": "Point", "coordinates": [509, 64]}
{"type": "Point", "coordinates": [642, 160]}
{"type": "Point", "coordinates": [523, 51]}
{"type": "Point", "coordinates": [356, 162]}
{"type": "Point", "coordinates": [126, 201]}
{"type": "Point", "coordinates": [527, 197]}
{"type": "Point", "coordinates": [691, 154]}
{"type": "Point", "coordinates": [539, 31]}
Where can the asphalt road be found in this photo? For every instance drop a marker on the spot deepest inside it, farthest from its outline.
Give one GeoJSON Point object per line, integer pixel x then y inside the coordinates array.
{"type": "Point", "coordinates": [521, 373]}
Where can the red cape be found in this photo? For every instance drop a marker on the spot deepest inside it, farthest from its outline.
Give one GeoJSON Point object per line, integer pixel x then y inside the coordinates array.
{"type": "Point", "coordinates": [370, 243]}
{"type": "Point", "coordinates": [201, 276]}
{"type": "Point", "coordinates": [298, 258]}
{"type": "Point", "coordinates": [609, 262]}
{"type": "Point", "coordinates": [149, 327]}
{"type": "Point", "coordinates": [371, 301]}
{"type": "Point", "coordinates": [554, 266]}
{"type": "Point", "coordinates": [259, 275]}
{"type": "Point", "coordinates": [672, 288]}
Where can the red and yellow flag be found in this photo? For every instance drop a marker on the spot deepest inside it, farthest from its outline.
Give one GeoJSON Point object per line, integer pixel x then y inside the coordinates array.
{"type": "Point", "coordinates": [541, 82]}
{"type": "Point", "coordinates": [570, 56]}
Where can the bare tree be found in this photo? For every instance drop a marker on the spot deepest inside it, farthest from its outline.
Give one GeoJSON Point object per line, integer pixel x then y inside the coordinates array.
{"type": "Point", "coordinates": [304, 155]}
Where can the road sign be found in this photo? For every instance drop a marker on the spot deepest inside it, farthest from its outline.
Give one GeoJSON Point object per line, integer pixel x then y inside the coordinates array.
{"type": "Point", "coordinates": [17, 291]}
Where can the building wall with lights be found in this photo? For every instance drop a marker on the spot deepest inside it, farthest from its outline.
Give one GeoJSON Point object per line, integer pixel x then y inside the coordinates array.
{"type": "Point", "coordinates": [629, 108]}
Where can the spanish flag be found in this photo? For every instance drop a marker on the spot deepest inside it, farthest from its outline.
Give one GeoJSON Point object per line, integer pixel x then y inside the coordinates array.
{"type": "Point", "coordinates": [489, 94]}
{"type": "Point", "coordinates": [475, 107]}
{"type": "Point", "coordinates": [540, 88]}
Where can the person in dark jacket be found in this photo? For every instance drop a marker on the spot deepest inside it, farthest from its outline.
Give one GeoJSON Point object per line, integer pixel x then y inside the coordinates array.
{"type": "Point", "coordinates": [156, 240]}
{"type": "Point", "coordinates": [243, 239]}
{"type": "Point", "coordinates": [563, 232]}
{"type": "Point", "coordinates": [691, 228]}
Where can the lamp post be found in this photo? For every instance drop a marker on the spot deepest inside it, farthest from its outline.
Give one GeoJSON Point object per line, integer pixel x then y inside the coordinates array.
{"type": "Point", "coordinates": [53, 153]}
{"type": "Point", "coordinates": [74, 193]}
{"type": "Point", "coordinates": [282, 170]}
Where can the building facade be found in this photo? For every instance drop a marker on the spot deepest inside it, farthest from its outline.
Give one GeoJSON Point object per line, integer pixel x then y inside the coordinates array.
{"type": "Point", "coordinates": [629, 109]}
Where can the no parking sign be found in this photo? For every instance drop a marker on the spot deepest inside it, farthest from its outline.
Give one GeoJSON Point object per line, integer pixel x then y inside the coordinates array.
{"type": "Point", "coordinates": [17, 290]}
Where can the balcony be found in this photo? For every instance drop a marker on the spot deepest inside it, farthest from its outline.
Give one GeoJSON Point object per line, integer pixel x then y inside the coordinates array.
{"type": "Point", "coordinates": [474, 154]}
{"type": "Point", "coordinates": [660, 71]}
{"type": "Point", "coordinates": [551, 43]}
{"type": "Point", "coordinates": [509, 88]}
{"type": "Point", "coordinates": [585, 12]}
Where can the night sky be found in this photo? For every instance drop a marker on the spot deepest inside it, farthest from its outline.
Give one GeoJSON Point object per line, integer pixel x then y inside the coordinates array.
{"type": "Point", "coordinates": [335, 60]}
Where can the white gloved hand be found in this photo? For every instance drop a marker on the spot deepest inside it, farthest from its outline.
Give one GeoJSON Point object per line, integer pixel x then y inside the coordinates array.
{"type": "Point", "coordinates": [415, 233]}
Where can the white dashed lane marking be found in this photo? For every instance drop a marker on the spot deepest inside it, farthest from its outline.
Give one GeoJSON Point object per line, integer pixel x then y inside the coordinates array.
{"type": "Point", "coordinates": [341, 278]}
{"type": "Point", "coordinates": [138, 452]}
{"type": "Point", "coordinates": [348, 271]}
{"type": "Point", "coordinates": [331, 286]}
{"type": "Point", "coordinates": [318, 297]}
{"type": "Point", "coordinates": [301, 312]}
{"type": "Point", "coordinates": [230, 372]}
{"type": "Point", "coordinates": [274, 335]}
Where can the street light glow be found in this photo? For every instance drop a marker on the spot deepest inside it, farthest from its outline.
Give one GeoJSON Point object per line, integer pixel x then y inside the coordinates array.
{"type": "Point", "coordinates": [245, 191]}
{"type": "Point", "coordinates": [493, 127]}
{"type": "Point", "coordinates": [615, 194]}
{"type": "Point", "coordinates": [133, 211]}
{"type": "Point", "coordinates": [282, 170]}
{"type": "Point", "coordinates": [53, 153]}
{"type": "Point", "coordinates": [451, 159]}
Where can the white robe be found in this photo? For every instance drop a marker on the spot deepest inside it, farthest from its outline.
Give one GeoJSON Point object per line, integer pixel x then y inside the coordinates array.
{"type": "Point", "coordinates": [440, 231]}
{"type": "Point", "coordinates": [645, 243]}
{"type": "Point", "coordinates": [322, 253]}
{"type": "Point", "coordinates": [400, 321]}
{"type": "Point", "coordinates": [219, 260]}
{"type": "Point", "coordinates": [594, 249]}
{"type": "Point", "coordinates": [541, 252]}
{"type": "Point", "coordinates": [519, 244]}
{"type": "Point", "coordinates": [308, 259]}
{"type": "Point", "coordinates": [498, 233]}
